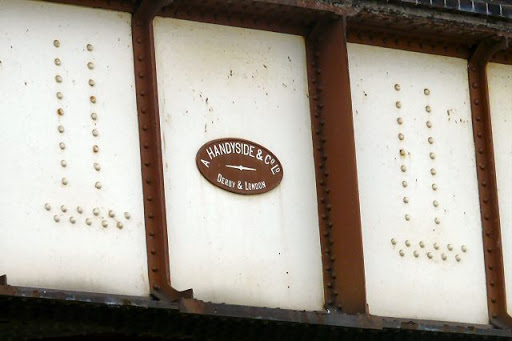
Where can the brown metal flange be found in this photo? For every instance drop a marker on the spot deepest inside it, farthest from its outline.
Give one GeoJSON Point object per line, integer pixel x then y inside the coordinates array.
{"type": "Point", "coordinates": [151, 152]}
{"type": "Point", "coordinates": [335, 160]}
{"type": "Point", "coordinates": [482, 131]}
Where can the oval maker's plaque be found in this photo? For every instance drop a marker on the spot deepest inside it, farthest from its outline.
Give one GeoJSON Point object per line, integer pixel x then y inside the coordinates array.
{"type": "Point", "coordinates": [239, 166]}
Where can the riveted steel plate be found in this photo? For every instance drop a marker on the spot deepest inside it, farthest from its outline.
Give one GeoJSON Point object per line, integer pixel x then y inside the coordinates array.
{"type": "Point", "coordinates": [216, 81]}
{"type": "Point", "coordinates": [422, 233]}
{"type": "Point", "coordinates": [71, 192]}
{"type": "Point", "coordinates": [239, 166]}
{"type": "Point", "coordinates": [500, 101]}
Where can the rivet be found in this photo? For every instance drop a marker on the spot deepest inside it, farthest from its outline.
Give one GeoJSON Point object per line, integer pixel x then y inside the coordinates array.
{"type": "Point", "coordinates": [436, 246]}
{"type": "Point", "coordinates": [95, 132]}
{"type": "Point", "coordinates": [59, 95]}
{"type": "Point", "coordinates": [62, 145]}
{"type": "Point", "coordinates": [457, 258]}
{"type": "Point", "coordinates": [95, 148]}
{"type": "Point", "coordinates": [428, 108]}
{"type": "Point", "coordinates": [153, 251]}
{"type": "Point", "coordinates": [90, 65]}
{"type": "Point", "coordinates": [97, 185]}
{"type": "Point", "coordinates": [88, 221]}
{"type": "Point", "coordinates": [402, 152]}
{"type": "Point", "coordinates": [398, 104]}
{"type": "Point", "coordinates": [56, 218]}
{"type": "Point", "coordinates": [60, 129]}
{"type": "Point", "coordinates": [104, 223]}
{"type": "Point", "coordinates": [96, 211]}
{"type": "Point", "coordinates": [402, 253]}
{"type": "Point", "coordinates": [478, 118]}
{"type": "Point", "coordinates": [64, 181]}
{"type": "Point", "coordinates": [63, 208]}
{"type": "Point", "coordinates": [422, 244]}
{"type": "Point", "coordinates": [429, 124]}
{"type": "Point", "coordinates": [433, 171]}
{"type": "Point", "coordinates": [434, 187]}
{"type": "Point", "coordinates": [57, 61]}
{"type": "Point", "coordinates": [407, 243]}
{"type": "Point", "coordinates": [111, 214]}
{"type": "Point", "coordinates": [479, 134]}
{"type": "Point", "coordinates": [400, 120]}
{"type": "Point", "coordinates": [426, 92]}
{"type": "Point", "coordinates": [429, 255]}
{"type": "Point", "coordinates": [431, 140]}
{"type": "Point", "coordinates": [393, 241]}
{"type": "Point", "coordinates": [92, 99]}
{"type": "Point", "coordinates": [58, 79]}
{"type": "Point", "coordinates": [92, 82]}
{"type": "Point", "coordinates": [435, 203]}
{"type": "Point", "coordinates": [407, 217]}
{"type": "Point", "coordinates": [97, 166]}
{"type": "Point", "coordinates": [63, 163]}
{"type": "Point", "coordinates": [403, 168]}
{"type": "Point", "coordinates": [437, 221]}
{"type": "Point", "coordinates": [449, 247]}
{"type": "Point", "coordinates": [464, 248]}
{"type": "Point", "coordinates": [443, 256]}
{"type": "Point", "coordinates": [79, 209]}
{"type": "Point", "coordinates": [397, 87]}
{"type": "Point", "coordinates": [484, 183]}
{"type": "Point", "coordinates": [139, 58]}
{"type": "Point", "coordinates": [493, 300]}
{"type": "Point", "coordinates": [401, 136]}
{"type": "Point", "coordinates": [475, 85]}
{"type": "Point", "coordinates": [127, 215]}
{"type": "Point", "coordinates": [139, 40]}
{"type": "Point", "coordinates": [149, 198]}
{"type": "Point", "coordinates": [72, 220]}
{"type": "Point", "coordinates": [56, 43]}
{"type": "Point", "coordinates": [60, 111]}
{"type": "Point", "coordinates": [476, 101]}
{"type": "Point", "coordinates": [406, 200]}
{"type": "Point", "coordinates": [89, 47]}
{"type": "Point", "coordinates": [119, 225]}
{"type": "Point", "coordinates": [416, 254]}
{"type": "Point", "coordinates": [432, 156]}
{"type": "Point", "coordinates": [404, 184]}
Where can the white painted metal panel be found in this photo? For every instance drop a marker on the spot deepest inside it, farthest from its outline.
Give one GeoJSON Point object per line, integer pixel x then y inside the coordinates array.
{"type": "Point", "coordinates": [420, 209]}
{"type": "Point", "coordinates": [500, 97]}
{"type": "Point", "coordinates": [48, 158]}
{"type": "Point", "coordinates": [214, 82]}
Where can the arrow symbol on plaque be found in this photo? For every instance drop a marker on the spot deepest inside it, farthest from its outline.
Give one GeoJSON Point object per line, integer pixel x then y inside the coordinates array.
{"type": "Point", "coordinates": [241, 168]}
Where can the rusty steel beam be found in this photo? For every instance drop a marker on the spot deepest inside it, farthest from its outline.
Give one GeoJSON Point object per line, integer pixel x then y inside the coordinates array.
{"type": "Point", "coordinates": [151, 151]}
{"type": "Point", "coordinates": [335, 159]}
{"type": "Point", "coordinates": [486, 172]}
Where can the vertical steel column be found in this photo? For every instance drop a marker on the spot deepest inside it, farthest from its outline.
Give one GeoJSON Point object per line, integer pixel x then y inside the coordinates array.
{"type": "Point", "coordinates": [488, 189]}
{"type": "Point", "coordinates": [335, 159]}
{"type": "Point", "coordinates": [151, 151]}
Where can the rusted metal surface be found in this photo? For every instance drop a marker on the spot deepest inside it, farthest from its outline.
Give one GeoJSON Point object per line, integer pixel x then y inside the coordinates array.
{"type": "Point", "coordinates": [503, 57]}
{"type": "Point", "coordinates": [151, 152]}
{"type": "Point", "coordinates": [377, 36]}
{"type": "Point", "coordinates": [486, 172]}
{"type": "Point", "coordinates": [335, 318]}
{"type": "Point", "coordinates": [294, 17]}
{"type": "Point", "coordinates": [335, 156]}
{"type": "Point", "coordinates": [239, 166]}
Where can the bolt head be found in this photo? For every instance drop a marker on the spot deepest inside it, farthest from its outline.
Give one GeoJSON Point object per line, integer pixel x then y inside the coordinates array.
{"type": "Point", "coordinates": [88, 221]}
{"type": "Point", "coordinates": [90, 65]}
{"type": "Point", "coordinates": [56, 218]}
{"type": "Point", "coordinates": [119, 225]}
{"type": "Point", "coordinates": [47, 206]}
{"type": "Point", "coordinates": [89, 47]}
{"type": "Point", "coordinates": [397, 87]}
{"type": "Point", "coordinates": [127, 215]}
{"type": "Point", "coordinates": [97, 185]}
{"type": "Point", "coordinates": [57, 61]}
{"type": "Point", "coordinates": [56, 43]}
{"type": "Point", "coordinates": [96, 211]}
{"type": "Point", "coordinates": [426, 92]}
{"type": "Point", "coordinates": [104, 223]}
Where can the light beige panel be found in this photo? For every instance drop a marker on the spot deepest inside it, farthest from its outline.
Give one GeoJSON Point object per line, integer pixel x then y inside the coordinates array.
{"type": "Point", "coordinates": [71, 214]}
{"type": "Point", "coordinates": [217, 82]}
{"type": "Point", "coordinates": [420, 209]}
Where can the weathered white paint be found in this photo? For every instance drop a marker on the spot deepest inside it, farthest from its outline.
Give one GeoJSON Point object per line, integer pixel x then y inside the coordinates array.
{"type": "Point", "coordinates": [34, 249]}
{"type": "Point", "coordinates": [500, 96]}
{"type": "Point", "coordinates": [408, 286]}
{"type": "Point", "coordinates": [215, 82]}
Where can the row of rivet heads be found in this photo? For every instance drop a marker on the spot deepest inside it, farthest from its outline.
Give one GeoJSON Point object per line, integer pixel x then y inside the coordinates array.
{"type": "Point", "coordinates": [429, 254]}
{"type": "Point", "coordinates": [323, 183]}
{"type": "Point", "coordinates": [95, 211]}
{"type": "Point", "coordinates": [403, 153]}
{"type": "Point", "coordinates": [60, 112]}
